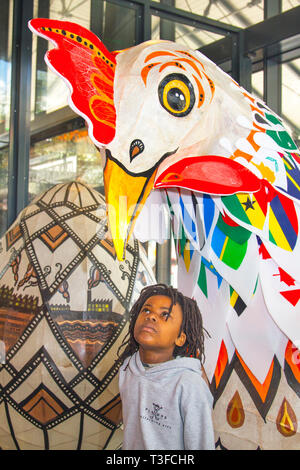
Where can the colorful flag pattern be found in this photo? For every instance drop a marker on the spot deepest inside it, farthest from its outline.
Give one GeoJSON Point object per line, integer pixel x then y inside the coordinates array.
{"type": "Point", "coordinates": [290, 161]}
{"type": "Point", "coordinates": [269, 213]}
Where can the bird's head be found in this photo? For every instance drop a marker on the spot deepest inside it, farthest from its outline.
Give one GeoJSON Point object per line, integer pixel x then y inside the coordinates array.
{"type": "Point", "coordinates": [154, 111]}
{"type": "Point", "coordinates": [168, 131]}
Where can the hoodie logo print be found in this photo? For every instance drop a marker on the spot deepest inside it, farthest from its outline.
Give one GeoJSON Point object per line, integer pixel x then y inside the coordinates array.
{"type": "Point", "coordinates": [154, 415]}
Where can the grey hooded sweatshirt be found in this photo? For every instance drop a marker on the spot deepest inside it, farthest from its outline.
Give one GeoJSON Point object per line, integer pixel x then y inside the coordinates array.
{"type": "Point", "coordinates": [165, 407]}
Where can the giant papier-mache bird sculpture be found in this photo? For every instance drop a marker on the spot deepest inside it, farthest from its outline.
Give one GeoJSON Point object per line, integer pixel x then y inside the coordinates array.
{"type": "Point", "coordinates": [180, 137]}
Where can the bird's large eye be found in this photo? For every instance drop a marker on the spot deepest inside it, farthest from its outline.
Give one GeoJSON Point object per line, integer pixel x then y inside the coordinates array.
{"type": "Point", "coordinates": [176, 94]}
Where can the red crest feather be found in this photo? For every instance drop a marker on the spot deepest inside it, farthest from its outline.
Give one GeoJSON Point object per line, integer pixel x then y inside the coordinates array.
{"type": "Point", "coordinates": [83, 61]}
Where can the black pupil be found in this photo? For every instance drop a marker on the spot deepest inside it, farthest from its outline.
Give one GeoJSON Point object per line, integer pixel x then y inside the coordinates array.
{"type": "Point", "coordinates": [176, 99]}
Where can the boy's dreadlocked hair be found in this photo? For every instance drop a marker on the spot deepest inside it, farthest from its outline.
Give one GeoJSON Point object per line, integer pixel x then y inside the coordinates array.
{"type": "Point", "coordinates": [191, 323]}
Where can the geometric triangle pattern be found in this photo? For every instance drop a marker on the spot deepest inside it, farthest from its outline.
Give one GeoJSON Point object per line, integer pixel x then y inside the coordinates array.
{"type": "Point", "coordinates": [64, 303]}
{"type": "Point", "coordinates": [238, 423]}
{"type": "Point", "coordinates": [42, 405]}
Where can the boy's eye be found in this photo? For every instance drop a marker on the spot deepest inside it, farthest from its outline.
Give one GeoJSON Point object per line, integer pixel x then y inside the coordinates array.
{"type": "Point", "coordinates": [166, 315]}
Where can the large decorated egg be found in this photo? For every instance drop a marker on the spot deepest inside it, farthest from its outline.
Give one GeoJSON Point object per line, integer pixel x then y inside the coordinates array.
{"type": "Point", "coordinates": [64, 303]}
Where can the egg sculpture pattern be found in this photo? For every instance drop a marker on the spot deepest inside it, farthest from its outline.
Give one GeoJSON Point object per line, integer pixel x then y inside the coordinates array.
{"type": "Point", "coordinates": [64, 302]}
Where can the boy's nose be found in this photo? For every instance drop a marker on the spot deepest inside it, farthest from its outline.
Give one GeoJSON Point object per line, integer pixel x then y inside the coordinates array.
{"type": "Point", "coordinates": [152, 316]}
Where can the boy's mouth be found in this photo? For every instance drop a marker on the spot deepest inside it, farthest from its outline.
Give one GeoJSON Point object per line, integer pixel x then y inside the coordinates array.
{"type": "Point", "coordinates": [148, 327]}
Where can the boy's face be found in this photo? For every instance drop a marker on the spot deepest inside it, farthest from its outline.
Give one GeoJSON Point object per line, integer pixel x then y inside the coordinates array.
{"type": "Point", "coordinates": [157, 331]}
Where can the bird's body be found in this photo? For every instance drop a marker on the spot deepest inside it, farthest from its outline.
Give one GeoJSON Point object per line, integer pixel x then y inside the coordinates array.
{"type": "Point", "coordinates": [179, 136]}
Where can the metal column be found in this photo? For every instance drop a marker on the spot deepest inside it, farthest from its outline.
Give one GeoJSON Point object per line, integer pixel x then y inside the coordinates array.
{"type": "Point", "coordinates": [18, 165]}
{"type": "Point", "coordinates": [272, 68]}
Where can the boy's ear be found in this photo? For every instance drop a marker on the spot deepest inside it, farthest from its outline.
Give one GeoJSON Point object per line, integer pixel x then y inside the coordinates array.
{"type": "Point", "coordinates": [181, 339]}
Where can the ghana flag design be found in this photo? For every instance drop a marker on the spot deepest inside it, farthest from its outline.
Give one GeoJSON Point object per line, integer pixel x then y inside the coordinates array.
{"type": "Point", "coordinates": [248, 208]}
{"type": "Point", "coordinates": [253, 210]}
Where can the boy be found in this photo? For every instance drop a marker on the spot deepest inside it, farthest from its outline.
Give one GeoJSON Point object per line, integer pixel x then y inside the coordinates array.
{"type": "Point", "coordinates": [166, 403]}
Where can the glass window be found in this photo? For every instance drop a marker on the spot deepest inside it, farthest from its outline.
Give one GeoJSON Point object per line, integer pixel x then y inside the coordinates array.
{"type": "Point", "coordinates": [288, 4]}
{"type": "Point", "coordinates": [240, 13]}
{"type": "Point", "coordinates": [290, 94]}
{"type": "Point", "coordinates": [64, 154]}
{"type": "Point", "coordinates": [119, 26]}
{"type": "Point", "coordinates": [49, 92]}
{"type": "Point", "coordinates": [70, 155]}
{"type": "Point", "coordinates": [290, 103]}
{"type": "Point", "coordinates": [65, 157]}
{"type": "Point", "coordinates": [188, 36]}
{"type": "Point", "coordinates": [5, 79]}
{"type": "Point", "coordinates": [3, 189]}
{"type": "Point", "coordinates": [116, 25]}
{"type": "Point", "coordinates": [257, 80]}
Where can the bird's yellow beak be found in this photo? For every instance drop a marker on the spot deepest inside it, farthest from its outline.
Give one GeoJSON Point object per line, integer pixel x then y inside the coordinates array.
{"type": "Point", "coordinates": [125, 195]}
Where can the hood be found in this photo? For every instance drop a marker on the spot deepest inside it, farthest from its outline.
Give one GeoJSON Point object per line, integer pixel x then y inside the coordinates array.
{"type": "Point", "coordinates": [164, 369]}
